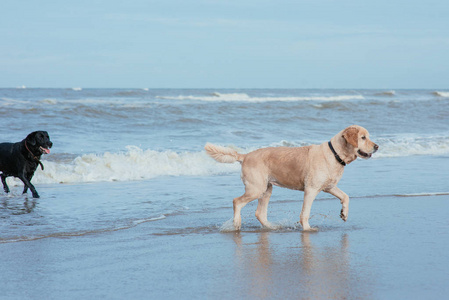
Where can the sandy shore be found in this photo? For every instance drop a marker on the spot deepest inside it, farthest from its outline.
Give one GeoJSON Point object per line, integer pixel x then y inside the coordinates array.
{"type": "Point", "coordinates": [391, 248]}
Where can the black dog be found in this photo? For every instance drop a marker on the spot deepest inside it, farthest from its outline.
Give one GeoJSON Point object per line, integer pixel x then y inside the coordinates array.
{"type": "Point", "coordinates": [21, 159]}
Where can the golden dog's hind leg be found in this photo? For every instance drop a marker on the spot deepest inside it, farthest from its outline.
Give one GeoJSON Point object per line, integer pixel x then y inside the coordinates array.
{"type": "Point", "coordinates": [262, 207]}
{"type": "Point", "coordinates": [252, 192]}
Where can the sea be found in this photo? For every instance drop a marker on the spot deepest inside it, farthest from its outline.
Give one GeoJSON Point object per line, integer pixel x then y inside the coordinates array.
{"type": "Point", "coordinates": [124, 157]}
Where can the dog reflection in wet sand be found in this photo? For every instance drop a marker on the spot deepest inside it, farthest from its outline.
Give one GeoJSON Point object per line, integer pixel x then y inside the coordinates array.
{"type": "Point", "coordinates": [311, 169]}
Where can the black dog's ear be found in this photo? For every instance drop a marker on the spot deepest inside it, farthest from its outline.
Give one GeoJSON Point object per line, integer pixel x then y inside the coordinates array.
{"type": "Point", "coordinates": [31, 138]}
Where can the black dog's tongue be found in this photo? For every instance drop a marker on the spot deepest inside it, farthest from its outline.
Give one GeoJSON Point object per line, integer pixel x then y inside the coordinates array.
{"type": "Point", "coordinates": [44, 150]}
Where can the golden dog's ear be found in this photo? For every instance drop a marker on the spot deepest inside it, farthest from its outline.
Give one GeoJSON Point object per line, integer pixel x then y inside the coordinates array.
{"type": "Point", "coordinates": [351, 135]}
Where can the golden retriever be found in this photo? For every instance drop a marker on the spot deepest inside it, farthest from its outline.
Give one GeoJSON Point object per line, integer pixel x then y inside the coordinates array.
{"type": "Point", "coordinates": [311, 169]}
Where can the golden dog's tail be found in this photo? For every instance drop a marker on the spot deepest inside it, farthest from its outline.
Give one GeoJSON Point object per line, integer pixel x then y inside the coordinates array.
{"type": "Point", "coordinates": [223, 154]}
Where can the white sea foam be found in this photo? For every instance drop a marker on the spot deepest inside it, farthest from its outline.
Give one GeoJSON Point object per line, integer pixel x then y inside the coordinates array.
{"type": "Point", "coordinates": [79, 102]}
{"type": "Point", "coordinates": [397, 147]}
{"type": "Point", "coordinates": [442, 94]}
{"type": "Point", "coordinates": [138, 164]}
{"type": "Point", "coordinates": [134, 164]}
{"type": "Point", "coordinates": [77, 89]}
{"type": "Point", "coordinates": [140, 221]}
{"type": "Point", "coordinates": [227, 226]}
{"type": "Point", "coordinates": [9, 101]}
{"type": "Point", "coordinates": [423, 194]}
{"type": "Point", "coordinates": [242, 97]}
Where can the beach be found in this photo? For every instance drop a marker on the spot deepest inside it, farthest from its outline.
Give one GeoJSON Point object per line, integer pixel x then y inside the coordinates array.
{"type": "Point", "coordinates": [132, 207]}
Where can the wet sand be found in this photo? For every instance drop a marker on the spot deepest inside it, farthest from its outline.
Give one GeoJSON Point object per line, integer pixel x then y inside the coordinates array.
{"type": "Point", "coordinates": [391, 248]}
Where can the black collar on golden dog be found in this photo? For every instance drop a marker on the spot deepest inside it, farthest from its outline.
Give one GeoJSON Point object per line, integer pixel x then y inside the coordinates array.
{"type": "Point", "coordinates": [336, 155]}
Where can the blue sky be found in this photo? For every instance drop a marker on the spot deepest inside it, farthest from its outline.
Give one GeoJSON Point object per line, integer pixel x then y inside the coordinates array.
{"type": "Point", "coordinates": [225, 44]}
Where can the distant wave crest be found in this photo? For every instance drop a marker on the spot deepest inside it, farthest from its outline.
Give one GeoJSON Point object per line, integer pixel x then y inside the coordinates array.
{"type": "Point", "coordinates": [386, 93]}
{"type": "Point", "coordinates": [442, 94]}
{"type": "Point", "coordinates": [242, 97]}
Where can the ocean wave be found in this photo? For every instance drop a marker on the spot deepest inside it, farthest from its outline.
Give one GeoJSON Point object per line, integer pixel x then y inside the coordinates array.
{"type": "Point", "coordinates": [441, 94]}
{"type": "Point", "coordinates": [131, 93]}
{"type": "Point", "coordinates": [398, 147]}
{"type": "Point", "coordinates": [132, 165]}
{"type": "Point", "coordinates": [49, 101]}
{"type": "Point", "coordinates": [137, 164]}
{"type": "Point", "coordinates": [242, 97]}
{"type": "Point", "coordinates": [10, 101]}
{"type": "Point", "coordinates": [386, 93]}
{"type": "Point", "coordinates": [79, 102]}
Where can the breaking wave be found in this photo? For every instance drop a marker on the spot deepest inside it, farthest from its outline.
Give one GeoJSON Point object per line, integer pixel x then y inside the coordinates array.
{"type": "Point", "coordinates": [134, 164]}
{"type": "Point", "coordinates": [242, 97]}
{"type": "Point", "coordinates": [394, 147]}
{"type": "Point", "coordinates": [138, 164]}
{"type": "Point", "coordinates": [442, 94]}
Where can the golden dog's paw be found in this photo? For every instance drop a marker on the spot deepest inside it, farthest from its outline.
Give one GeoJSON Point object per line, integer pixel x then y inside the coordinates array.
{"type": "Point", "coordinates": [272, 226]}
{"type": "Point", "coordinates": [311, 229]}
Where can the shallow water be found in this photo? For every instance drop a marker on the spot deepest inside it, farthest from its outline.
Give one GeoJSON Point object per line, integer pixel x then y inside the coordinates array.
{"type": "Point", "coordinates": [392, 247]}
{"type": "Point", "coordinates": [126, 156]}
{"type": "Point", "coordinates": [89, 208]}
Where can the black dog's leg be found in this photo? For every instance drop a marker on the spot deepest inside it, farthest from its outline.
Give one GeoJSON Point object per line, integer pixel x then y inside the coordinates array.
{"type": "Point", "coordinates": [25, 188]}
{"type": "Point", "coordinates": [5, 186]}
{"type": "Point", "coordinates": [28, 184]}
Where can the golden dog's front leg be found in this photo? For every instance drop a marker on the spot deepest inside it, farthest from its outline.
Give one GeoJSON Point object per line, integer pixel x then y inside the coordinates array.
{"type": "Point", "coordinates": [309, 196]}
{"type": "Point", "coordinates": [344, 200]}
